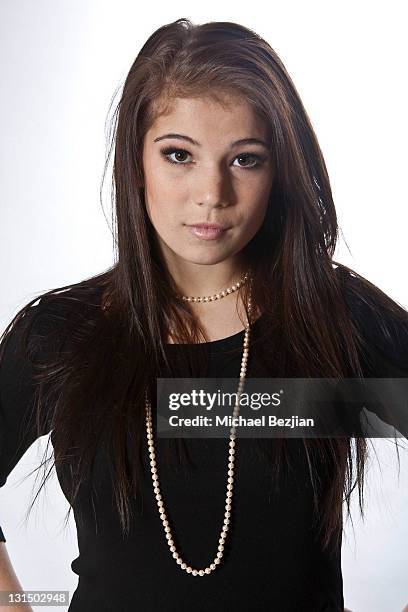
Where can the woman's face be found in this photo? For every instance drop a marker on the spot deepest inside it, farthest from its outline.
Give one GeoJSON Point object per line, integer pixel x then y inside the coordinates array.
{"type": "Point", "coordinates": [196, 172]}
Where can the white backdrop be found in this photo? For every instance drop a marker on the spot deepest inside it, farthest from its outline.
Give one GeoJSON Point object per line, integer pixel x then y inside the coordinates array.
{"type": "Point", "coordinates": [60, 65]}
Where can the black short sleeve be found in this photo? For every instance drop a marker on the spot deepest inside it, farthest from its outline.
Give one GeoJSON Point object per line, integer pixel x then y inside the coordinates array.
{"type": "Point", "coordinates": [18, 428]}
{"type": "Point", "coordinates": [385, 350]}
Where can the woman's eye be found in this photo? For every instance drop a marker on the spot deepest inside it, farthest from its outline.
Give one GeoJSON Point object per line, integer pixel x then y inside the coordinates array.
{"type": "Point", "coordinates": [178, 152]}
{"type": "Point", "coordinates": [256, 160]}
{"type": "Point", "coordinates": [180, 158]}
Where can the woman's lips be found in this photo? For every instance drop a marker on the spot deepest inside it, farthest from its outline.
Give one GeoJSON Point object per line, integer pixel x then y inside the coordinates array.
{"type": "Point", "coordinates": [206, 233]}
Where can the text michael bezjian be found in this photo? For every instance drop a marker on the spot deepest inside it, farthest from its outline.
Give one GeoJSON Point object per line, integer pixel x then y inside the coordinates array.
{"type": "Point", "coordinates": [241, 421]}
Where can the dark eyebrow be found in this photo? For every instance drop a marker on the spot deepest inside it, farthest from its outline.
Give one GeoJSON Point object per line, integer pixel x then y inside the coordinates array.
{"type": "Point", "coordinates": [243, 141]}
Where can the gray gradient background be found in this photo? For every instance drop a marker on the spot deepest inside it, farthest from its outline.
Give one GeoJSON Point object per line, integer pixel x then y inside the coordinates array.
{"type": "Point", "coordinates": [60, 64]}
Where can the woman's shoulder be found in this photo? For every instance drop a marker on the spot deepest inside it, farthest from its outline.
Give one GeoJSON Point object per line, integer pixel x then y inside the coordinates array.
{"type": "Point", "coordinates": [381, 321]}
{"type": "Point", "coordinates": [46, 322]}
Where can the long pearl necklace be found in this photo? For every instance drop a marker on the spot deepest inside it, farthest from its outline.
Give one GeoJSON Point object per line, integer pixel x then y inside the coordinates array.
{"type": "Point", "coordinates": [230, 481]}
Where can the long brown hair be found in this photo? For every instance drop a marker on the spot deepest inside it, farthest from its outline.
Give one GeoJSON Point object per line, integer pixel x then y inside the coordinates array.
{"type": "Point", "coordinates": [96, 353]}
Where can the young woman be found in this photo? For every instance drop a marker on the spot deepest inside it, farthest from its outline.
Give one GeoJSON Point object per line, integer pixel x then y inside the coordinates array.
{"type": "Point", "coordinates": [226, 230]}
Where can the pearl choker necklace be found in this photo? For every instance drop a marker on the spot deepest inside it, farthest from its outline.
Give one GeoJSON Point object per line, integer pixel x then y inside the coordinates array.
{"type": "Point", "coordinates": [228, 501]}
{"type": "Point", "coordinates": [217, 296]}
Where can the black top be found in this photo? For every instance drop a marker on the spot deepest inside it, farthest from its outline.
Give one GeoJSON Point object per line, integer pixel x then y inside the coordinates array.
{"type": "Point", "coordinates": [272, 560]}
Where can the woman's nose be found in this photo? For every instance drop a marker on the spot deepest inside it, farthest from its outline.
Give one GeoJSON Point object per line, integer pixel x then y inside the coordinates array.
{"type": "Point", "coordinates": [213, 189]}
